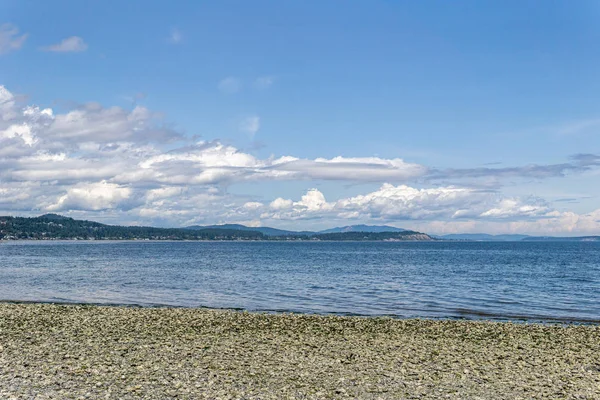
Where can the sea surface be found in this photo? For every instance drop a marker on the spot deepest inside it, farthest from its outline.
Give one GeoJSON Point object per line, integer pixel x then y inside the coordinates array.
{"type": "Point", "coordinates": [542, 281]}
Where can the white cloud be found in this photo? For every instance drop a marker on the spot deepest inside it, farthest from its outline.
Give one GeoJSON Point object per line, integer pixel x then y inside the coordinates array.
{"type": "Point", "coordinates": [10, 39]}
{"type": "Point", "coordinates": [9, 196]}
{"type": "Point", "coordinates": [7, 105]}
{"type": "Point", "coordinates": [252, 205]}
{"type": "Point", "coordinates": [250, 125]}
{"type": "Point", "coordinates": [310, 205]}
{"type": "Point", "coordinates": [434, 210]}
{"type": "Point", "coordinates": [93, 196]}
{"type": "Point", "coordinates": [281, 204]}
{"type": "Point", "coordinates": [508, 208]}
{"type": "Point", "coordinates": [128, 148]}
{"type": "Point", "coordinates": [313, 200]}
{"type": "Point", "coordinates": [205, 155]}
{"type": "Point", "coordinates": [165, 192]}
{"type": "Point", "coordinates": [398, 203]}
{"type": "Point", "coordinates": [213, 163]}
{"type": "Point", "coordinates": [21, 130]}
{"type": "Point", "coordinates": [551, 224]}
{"type": "Point", "coordinates": [370, 169]}
{"type": "Point", "coordinates": [107, 162]}
{"type": "Point", "coordinates": [92, 122]}
{"type": "Point", "coordinates": [73, 44]}
{"type": "Point", "coordinates": [230, 85]}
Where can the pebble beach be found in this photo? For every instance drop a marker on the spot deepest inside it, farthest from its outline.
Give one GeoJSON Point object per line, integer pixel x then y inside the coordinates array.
{"type": "Point", "coordinates": [110, 352]}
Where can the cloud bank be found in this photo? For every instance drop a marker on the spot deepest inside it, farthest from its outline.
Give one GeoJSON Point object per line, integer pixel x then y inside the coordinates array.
{"type": "Point", "coordinates": [128, 166]}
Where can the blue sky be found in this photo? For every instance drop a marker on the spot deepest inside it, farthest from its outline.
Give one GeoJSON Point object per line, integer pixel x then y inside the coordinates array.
{"type": "Point", "coordinates": [441, 116]}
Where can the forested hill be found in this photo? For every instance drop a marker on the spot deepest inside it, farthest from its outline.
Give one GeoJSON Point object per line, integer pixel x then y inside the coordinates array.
{"type": "Point", "coordinates": [385, 236]}
{"type": "Point", "coordinates": [53, 227]}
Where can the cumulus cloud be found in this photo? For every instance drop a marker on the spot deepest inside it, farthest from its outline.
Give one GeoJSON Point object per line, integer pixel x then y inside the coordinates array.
{"type": "Point", "coordinates": [281, 204]}
{"type": "Point", "coordinates": [10, 39]}
{"type": "Point", "coordinates": [402, 202]}
{"type": "Point", "coordinates": [22, 131]}
{"type": "Point", "coordinates": [93, 196]}
{"type": "Point", "coordinates": [129, 164]}
{"type": "Point", "coordinates": [311, 205]}
{"type": "Point", "coordinates": [94, 123]}
{"type": "Point", "coordinates": [435, 210]}
{"type": "Point", "coordinates": [8, 108]}
{"type": "Point", "coordinates": [555, 223]}
{"type": "Point", "coordinates": [165, 192]}
{"type": "Point", "coordinates": [73, 44]}
{"type": "Point", "coordinates": [122, 158]}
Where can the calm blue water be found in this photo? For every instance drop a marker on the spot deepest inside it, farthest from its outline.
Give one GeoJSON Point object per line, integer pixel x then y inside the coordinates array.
{"type": "Point", "coordinates": [540, 281]}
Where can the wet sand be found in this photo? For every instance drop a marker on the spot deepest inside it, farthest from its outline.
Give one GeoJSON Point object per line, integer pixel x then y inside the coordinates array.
{"type": "Point", "coordinates": [63, 351]}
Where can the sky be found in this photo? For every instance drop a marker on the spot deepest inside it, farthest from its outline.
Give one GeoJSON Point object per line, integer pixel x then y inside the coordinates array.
{"type": "Point", "coordinates": [443, 117]}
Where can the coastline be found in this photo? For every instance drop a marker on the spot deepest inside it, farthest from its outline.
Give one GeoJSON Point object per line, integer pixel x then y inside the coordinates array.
{"type": "Point", "coordinates": [467, 316]}
{"type": "Point", "coordinates": [70, 351]}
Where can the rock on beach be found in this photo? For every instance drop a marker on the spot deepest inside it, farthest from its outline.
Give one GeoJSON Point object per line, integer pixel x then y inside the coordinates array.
{"type": "Point", "coordinates": [96, 352]}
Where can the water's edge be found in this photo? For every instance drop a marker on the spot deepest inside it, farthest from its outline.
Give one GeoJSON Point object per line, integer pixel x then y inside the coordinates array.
{"type": "Point", "coordinates": [516, 319]}
{"type": "Point", "coordinates": [531, 282]}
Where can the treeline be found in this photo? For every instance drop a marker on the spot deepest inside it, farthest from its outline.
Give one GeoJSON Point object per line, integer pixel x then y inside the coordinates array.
{"type": "Point", "coordinates": [51, 226]}
{"type": "Point", "coordinates": [391, 236]}
{"type": "Point", "coordinates": [57, 227]}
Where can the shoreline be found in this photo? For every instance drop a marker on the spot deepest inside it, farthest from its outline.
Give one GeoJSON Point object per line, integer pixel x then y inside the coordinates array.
{"type": "Point", "coordinates": [68, 351]}
{"type": "Point", "coordinates": [477, 316]}
{"type": "Point", "coordinates": [245, 240]}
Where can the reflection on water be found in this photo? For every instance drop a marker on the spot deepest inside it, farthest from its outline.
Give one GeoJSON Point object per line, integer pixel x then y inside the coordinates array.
{"type": "Point", "coordinates": [546, 281]}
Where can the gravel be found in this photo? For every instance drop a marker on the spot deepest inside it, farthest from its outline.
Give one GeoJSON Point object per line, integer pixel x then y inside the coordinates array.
{"type": "Point", "coordinates": [96, 352]}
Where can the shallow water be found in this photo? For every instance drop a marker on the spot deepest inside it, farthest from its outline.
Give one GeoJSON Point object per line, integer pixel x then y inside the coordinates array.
{"type": "Point", "coordinates": [530, 280]}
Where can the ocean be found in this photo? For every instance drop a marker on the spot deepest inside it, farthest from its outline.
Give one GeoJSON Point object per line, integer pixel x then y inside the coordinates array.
{"type": "Point", "coordinates": [534, 281]}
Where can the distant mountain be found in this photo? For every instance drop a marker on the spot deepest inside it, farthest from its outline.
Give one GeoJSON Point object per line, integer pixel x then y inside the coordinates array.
{"type": "Point", "coordinates": [516, 238]}
{"type": "Point", "coordinates": [53, 226]}
{"type": "Point", "coordinates": [363, 228]}
{"type": "Point", "coordinates": [354, 232]}
{"type": "Point", "coordinates": [483, 237]}
{"type": "Point", "coordinates": [262, 229]}
{"type": "Point", "coordinates": [281, 232]}
{"type": "Point", "coordinates": [385, 236]}
{"type": "Point", "coordinates": [562, 239]}
{"type": "Point", "coordinates": [54, 217]}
